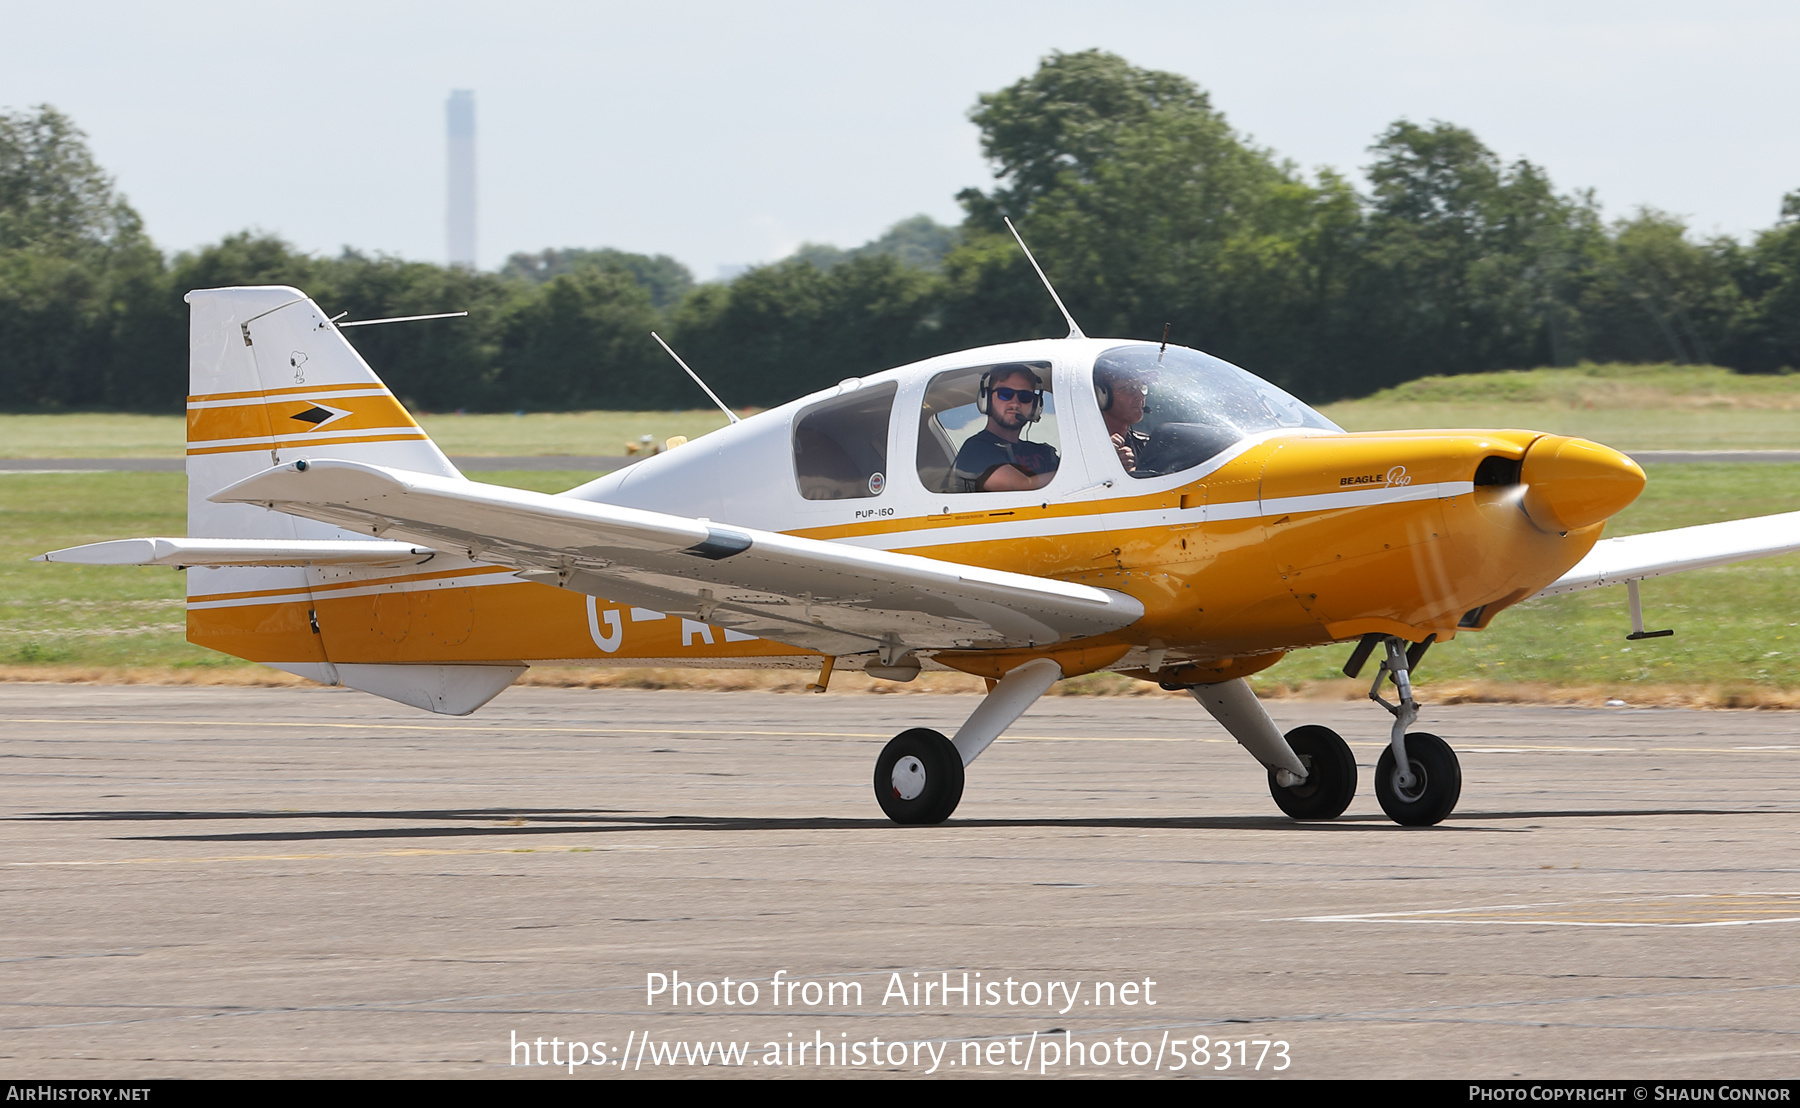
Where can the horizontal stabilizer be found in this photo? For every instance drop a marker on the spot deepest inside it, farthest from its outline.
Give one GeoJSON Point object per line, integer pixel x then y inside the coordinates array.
{"type": "Point", "coordinates": [825, 596]}
{"type": "Point", "coordinates": [241, 552]}
{"type": "Point", "coordinates": [1635, 557]}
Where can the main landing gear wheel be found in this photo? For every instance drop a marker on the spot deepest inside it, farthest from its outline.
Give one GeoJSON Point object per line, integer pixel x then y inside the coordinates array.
{"type": "Point", "coordinates": [919, 777]}
{"type": "Point", "coordinates": [1436, 784]}
{"type": "Point", "coordinates": [1331, 775]}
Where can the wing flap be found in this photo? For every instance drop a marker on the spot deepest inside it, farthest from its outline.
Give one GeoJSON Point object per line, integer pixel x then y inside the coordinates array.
{"type": "Point", "coordinates": [822, 595]}
{"type": "Point", "coordinates": [1635, 557]}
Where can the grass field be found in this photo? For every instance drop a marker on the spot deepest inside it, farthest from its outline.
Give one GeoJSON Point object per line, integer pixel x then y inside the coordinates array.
{"type": "Point", "coordinates": [1657, 407]}
{"type": "Point", "coordinates": [1631, 407]}
{"type": "Point", "coordinates": [1735, 626]}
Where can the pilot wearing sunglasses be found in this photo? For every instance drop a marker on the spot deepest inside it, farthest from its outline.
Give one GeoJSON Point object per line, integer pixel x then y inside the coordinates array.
{"type": "Point", "coordinates": [997, 459]}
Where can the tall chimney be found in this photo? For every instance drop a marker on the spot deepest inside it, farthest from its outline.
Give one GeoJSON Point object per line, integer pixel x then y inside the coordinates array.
{"type": "Point", "coordinates": [459, 120]}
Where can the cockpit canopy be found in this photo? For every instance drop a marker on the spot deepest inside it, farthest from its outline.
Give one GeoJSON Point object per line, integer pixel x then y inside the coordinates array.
{"type": "Point", "coordinates": [1194, 405]}
{"type": "Point", "coordinates": [1023, 423]}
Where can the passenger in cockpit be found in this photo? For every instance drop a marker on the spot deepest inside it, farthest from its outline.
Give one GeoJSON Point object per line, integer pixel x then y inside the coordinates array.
{"type": "Point", "coordinates": [1120, 392]}
{"type": "Point", "coordinates": [997, 459]}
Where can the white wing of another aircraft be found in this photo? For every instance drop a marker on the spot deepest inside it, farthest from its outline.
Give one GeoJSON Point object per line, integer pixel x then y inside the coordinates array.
{"type": "Point", "coordinates": [1635, 557]}
{"type": "Point", "coordinates": [825, 596]}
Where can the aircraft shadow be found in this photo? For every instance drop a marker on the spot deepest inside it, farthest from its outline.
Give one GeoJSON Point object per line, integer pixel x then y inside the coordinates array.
{"type": "Point", "coordinates": [591, 821]}
{"type": "Point", "coordinates": [539, 814]}
{"type": "Point", "coordinates": [572, 821]}
{"type": "Point", "coordinates": [1596, 813]}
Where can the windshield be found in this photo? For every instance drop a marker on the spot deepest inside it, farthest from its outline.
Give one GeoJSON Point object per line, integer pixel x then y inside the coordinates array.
{"type": "Point", "coordinates": [1175, 409]}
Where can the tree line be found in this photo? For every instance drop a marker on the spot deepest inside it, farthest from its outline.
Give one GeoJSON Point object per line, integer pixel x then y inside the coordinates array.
{"type": "Point", "coordinates": [1141, 201]}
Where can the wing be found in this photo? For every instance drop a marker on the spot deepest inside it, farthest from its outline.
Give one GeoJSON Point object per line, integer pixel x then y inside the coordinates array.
{"type": "Point", "coordinates": [1635, 557]}
{"type": "Point", "coordinates": [825, 596]}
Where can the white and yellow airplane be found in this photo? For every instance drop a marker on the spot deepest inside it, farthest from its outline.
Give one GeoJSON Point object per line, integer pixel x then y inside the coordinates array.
{"type": "Point", "coordinates": [1025, 513]}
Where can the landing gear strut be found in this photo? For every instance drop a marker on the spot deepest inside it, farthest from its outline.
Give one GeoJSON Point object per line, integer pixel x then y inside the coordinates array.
{"type": "Point", "coordinates": [919, 776]}
{"type": "Point", "coordinates": [1312, 774]}
{"type": "Point", "coordinates": [1417, 779]}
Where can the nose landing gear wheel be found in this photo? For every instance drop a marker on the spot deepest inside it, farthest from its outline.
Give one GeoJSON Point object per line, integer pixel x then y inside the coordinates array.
{"type": "Point", "coordinates": [1331, 775]}
{"type": "Point", "coordinates": [919, 777]}
{"type": "Point", "coordinates": [1436, 786]}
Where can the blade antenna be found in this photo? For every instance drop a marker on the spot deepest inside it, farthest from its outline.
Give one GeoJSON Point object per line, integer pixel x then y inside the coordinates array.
{"type": "Point", "coordinates": [1074, 330]}
{"type": "Point", "coordinates": [729, 414]}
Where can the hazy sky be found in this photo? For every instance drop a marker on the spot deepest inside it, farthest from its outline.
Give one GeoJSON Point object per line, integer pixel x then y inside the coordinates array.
{"type": "Point", "coordinates": [727, 133]}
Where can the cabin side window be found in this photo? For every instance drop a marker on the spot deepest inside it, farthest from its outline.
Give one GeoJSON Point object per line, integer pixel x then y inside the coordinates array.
{"type": "Point", "coordinates": [841, 446]}
{"type": "Point", "coordinates": [989, 429]}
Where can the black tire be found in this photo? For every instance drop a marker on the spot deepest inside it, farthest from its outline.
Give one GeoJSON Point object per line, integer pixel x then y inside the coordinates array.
{"type": "Point", "coordinates": [1437, 790]}
{"type": "Point", "coordinates": [924, 760]}
{"type": "Point", "coordinates": [1331, 775]}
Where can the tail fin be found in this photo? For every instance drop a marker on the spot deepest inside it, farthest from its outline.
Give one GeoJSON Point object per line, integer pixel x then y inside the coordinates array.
{"type": "Point", "coordinates": [270, 380]}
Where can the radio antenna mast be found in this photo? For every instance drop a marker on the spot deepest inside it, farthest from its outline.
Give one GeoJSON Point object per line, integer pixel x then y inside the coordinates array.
{"type": "Point", "coordinates": [396, 319]}
{"type": "Point", "coordinates": [729, 414]}
{"type": "Point", "coordinates": [1074, 330]}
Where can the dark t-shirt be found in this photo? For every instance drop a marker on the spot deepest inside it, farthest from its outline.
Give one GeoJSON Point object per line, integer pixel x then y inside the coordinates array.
{"type": "Point", "coordinates": [985, 452]}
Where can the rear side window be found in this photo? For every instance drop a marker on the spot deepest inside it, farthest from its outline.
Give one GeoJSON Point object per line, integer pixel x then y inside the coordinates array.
{"type": "Point", "coordinates": [840, 447]}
